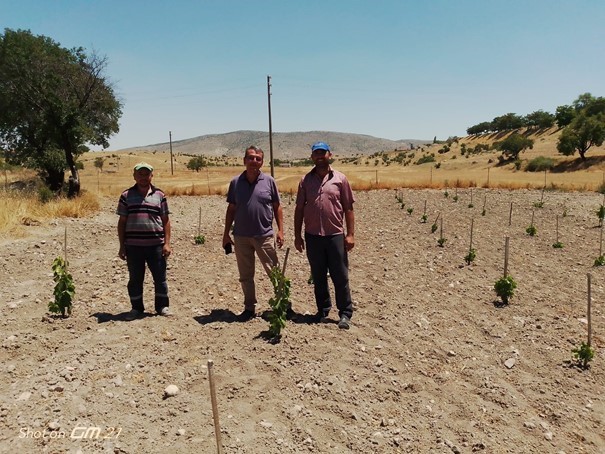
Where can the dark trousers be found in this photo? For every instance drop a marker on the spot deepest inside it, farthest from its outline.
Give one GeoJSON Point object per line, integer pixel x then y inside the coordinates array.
{"type": "Point", "coordinates": [136, 258]}
{"type": "Point", "coordinates": [327, 253]}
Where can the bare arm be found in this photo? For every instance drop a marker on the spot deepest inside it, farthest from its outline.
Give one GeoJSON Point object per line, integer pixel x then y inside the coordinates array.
{"type": "Point", "coordinates": [166, 249]}
{"type": "Point", "coordinates": [299, 211]}
{"type": "Point", "coordinates": [229, 218]}
{"type": "Point", "coordinates": [122, 236]}
{"type": "Point", "coordinates": [279, 219]}
{"type": "Point", "coordinates": [350, 236]}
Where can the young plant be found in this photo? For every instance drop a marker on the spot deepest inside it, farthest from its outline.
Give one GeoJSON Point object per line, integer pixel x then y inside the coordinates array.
{"type": "Point", "coordinates": [531, 230]}
{"type": "Point", "coordinates": [455, 198]}
{"type": "Point", "coordinates": [470, 205]}
{"type": "Point", "coordinates": [424, 218]}
{"type": "Point", "coordinates": [410, 210]}
{"type": "Point", "coordinates": [470, 257]}
{"type": "Point", "coordinates": [600, 260]}
{"type": "Point", "coordinates": [434, 228]}
{"type": "Point", "coordinates": [539, 204]}
{"type": "Point", "coordinates": [601, 214]}
{"type": "Point", "coordinates": [583, 355]}
{"type": "Point", "coordinates": [441, 241]}
{"type": "Point", "coordinates": [557, 245]}
{"type": "Point", "coordinates": [65, 289]}
{"type": "Point", "coordinates": [199, 239]}
{"type": "Point", "coordinates": [446, 194]}
{"type": "Point", "coordinates": [483, 212]}
{"type": "Point", "coordinates": [505, 288]}
{"type": "Point", "coordinates": [280, 301]}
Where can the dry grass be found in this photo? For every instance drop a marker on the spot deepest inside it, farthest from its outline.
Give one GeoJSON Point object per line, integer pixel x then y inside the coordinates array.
{"type": "Point", "coordinates": [18, 210]}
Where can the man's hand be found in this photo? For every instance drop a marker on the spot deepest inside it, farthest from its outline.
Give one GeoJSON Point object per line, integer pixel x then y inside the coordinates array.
{"type": "Point", "coordinates": [349, 242]}
{"type": "Point", "coordinates": [122, 253]}
{"type": "Point", "coordinates": [299, 244]}
{"type": "Point", "coordinates": [166, 250]}
{"type": "Point", "coordinates": [279, 239]}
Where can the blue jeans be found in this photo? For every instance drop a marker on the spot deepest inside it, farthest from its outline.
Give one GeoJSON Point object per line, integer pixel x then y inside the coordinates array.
{"type": "Point", "coordinates": [327, 253]}
{"type": "Point", "coordinates": [136, 258]}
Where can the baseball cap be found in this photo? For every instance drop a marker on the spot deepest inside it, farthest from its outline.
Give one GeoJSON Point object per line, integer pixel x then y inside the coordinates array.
{"type": "Point", "coordinates": [320, 146]}
{"type": "Point", "coordinates": [143, 165]}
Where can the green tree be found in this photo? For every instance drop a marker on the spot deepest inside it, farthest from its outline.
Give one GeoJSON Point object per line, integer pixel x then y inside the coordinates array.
{"type": "Point", "coordinates": [507, 122]}
{"type": "Point", "coordinates": [513, 145]}
{"type": "Point", "coordinates": [539, 119]}
{"type": "Point", "coordinates": [564, 115]}
{"type": "Point", "coordinates": [99, 161]}
{"type": "Point", "coordinates": [197, 163]}
{"type": "Point", "coordinates": [581, 134]}
{"type": "Point", "coordinates": [53, 101]}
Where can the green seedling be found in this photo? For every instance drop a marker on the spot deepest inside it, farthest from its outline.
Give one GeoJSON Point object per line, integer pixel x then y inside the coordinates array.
{"type": "Point", "coordinates": [557, 245]}
{"type": "Point", "coordinates": [424, 218]}
{"type": "Point", "coordinates": [505, 288]}
{"type": "Point", "coordinates": [455, 198]}
{"type": "Point", "coordinates": [280, 301]}
{"type": "Point", "coordinates": [531, 230]}
{"type": "Point", "coordinates": [434, 228]}
{"type": "Point", "coordinates": [441, 241]}
{"type": "Point", "coordinates": [470, 257]}
{"type": "Point", "coordinates": [65, 289]}
{"type": "Point", "coordinates": [410, 210]}
{"type": "Point", "coordinates": [539, 204]}
{"type": "Point", "coordinates": [200, 239]}
{"type": "Point", "coordinates": [483, 212]}
{"type": "Point", "coordinates": [446, 194]}
{"type": "Point", "coordinates": [600, 261]}
{"type": "Point", "coordinates": [470, 205]}
{"type": "Point", "coordinates": [583, 355]}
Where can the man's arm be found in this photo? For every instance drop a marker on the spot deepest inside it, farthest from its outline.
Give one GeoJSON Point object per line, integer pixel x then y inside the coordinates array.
{"type": "Point", "coordinates": [350, 235]}
{"type": "Point", "coordinates": [122, 236]}
{"type": "Point", "coordinates": [229, 218]}
{"type": "Point", "coordinates": [299, 212]}
{"type": "Point", "coordinates": [166, 249]}
{"type": "Point", "coordinates": [279, 219]}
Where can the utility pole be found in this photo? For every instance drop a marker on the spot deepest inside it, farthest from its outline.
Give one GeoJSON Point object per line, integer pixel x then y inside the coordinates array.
{"type": "Point", "coordinates": [270, 127]}
{"type": "Point", "coordinates": [171, 165]}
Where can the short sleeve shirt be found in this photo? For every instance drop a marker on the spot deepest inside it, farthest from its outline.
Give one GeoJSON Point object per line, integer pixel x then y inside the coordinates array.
{"type": "Point", "coordinates": [253, 205]}
{"type": "Point", "coordinates": [144, 226]}
{"type": "Point", "coordinates": [325, 201]}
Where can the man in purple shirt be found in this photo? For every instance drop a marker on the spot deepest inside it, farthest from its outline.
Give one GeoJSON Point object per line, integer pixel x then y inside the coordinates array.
{"type": "Point", "coordinates": [253, 204]}
{"type": "Point", "coordinates": [325, 203]}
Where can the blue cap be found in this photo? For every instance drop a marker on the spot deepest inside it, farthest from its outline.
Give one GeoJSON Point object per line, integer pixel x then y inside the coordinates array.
{"type": "Point", "coordinates": [320, 146]}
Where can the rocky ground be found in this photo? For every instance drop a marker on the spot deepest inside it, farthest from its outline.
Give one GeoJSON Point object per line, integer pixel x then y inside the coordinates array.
{"type": "Point", "coordinates": [432, 363]}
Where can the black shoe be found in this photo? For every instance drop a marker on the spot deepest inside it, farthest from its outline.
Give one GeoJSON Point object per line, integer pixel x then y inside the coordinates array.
{"type": "Point", "coordinates": [344, 323]}
{"type": "Point", "coordinates": [322, 317]}
{"type": "Point", "coordinates": [246, 315]}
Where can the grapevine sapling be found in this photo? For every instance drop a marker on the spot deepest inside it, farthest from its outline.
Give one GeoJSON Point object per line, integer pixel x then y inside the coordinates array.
{"type": "Point", "coordinates": [505, 288]}
{"type": "Point", "coordinates": [557, 245]}
{"type": "Point", "coordinates": [65, 289]}
{"type": "Point", "coordinates": [583, 355]}
{"type": "Point", "coordinates": [531, 230]}
{"type": "Point", "coordinates": [470, 257]}
{"type": "Point", "coordinates": [280, 301]}
{"type": "Point", "coordinates": [434, 228]}
{"type": "Point", "coordinates": [424, 218]}
{"type": "Point", "coordinates": [601, 214]}
{"type": "Point", "coordinates": [441, 241]}
{"type": "Point", "coordinates": [410, 210]}
{"type": "Point", "coordinates": [600, 260]}
{"type": "Point", "coordinates": [199, 239]}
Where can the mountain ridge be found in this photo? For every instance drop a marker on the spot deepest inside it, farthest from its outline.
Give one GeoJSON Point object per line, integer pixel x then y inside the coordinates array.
{"type": "Point", "coordinates": [286, 145]}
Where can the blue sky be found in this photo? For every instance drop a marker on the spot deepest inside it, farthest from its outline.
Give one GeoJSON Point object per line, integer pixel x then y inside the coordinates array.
{"type": "Point", "coordinates": [396, 69]}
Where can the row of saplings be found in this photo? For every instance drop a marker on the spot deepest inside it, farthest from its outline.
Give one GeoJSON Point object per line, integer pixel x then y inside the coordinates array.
{"type": "Point", "coordinates": [506, 285]}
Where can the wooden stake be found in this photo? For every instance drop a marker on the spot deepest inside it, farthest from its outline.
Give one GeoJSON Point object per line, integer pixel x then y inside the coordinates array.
{"type": "Point", "coordinates": [471, 242]}
{"type": "Point", "coordinates": [510, 214]}
{"type": "Point", "coordinates": [441, 228]}
{"type": "Point", "coordinates": [601, 242]}
{"type": "Point", "coordinates": [65, 248]}
{"type": "Point", "coordinates": [283, 270]}
{"type": "Point", "coordinates": [588, 310]}
{"type": "Point", "coordinates": [217, 427]}
{"type": "Point", "coordinates": [208, 179]}
{"type": "Point", "coordinates": [484, 201]}
{"type": "Point", "coordinates": [532, 217]}
{"type": "Point", "coordinates": [506, 243]}
{"type": "Point", "coordinates": [487, 177]}
{"type": "Point", "coordinates": [557, 237]}
{"type": "Point", "coordinates": [199, 222]}
{"type": "Point", "coordinates": [424, 207]}
{"type": "Point", "coordinates": [471, 196]}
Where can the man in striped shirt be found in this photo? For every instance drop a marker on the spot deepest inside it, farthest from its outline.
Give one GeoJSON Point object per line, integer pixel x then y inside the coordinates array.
{"type": "Point", "coordinates": [144, 234]}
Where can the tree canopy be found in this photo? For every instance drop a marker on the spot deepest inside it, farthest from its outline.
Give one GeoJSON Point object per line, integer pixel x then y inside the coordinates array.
{"type": "Point", "coordinates": [587, 128]}
{"type": "Point", "coordinates": [513, 145]}
{"type": "Point", "coordinates": [53, 102]}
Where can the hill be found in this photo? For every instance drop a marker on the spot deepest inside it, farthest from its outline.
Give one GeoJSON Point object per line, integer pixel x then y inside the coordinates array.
{"type": "Point", "coordinates": [286, 145]}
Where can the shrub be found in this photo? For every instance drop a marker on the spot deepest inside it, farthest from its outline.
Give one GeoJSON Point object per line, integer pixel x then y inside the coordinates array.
{"type": "Point", "coordinates": [425, 159]}
{"type": "Point", "coordinates": [540, 164]}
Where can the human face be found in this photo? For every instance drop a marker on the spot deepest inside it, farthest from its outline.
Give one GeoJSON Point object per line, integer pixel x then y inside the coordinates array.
{"type": "Point", "coordinates": [143, 177]}
{"type": "Point", "coordinates": [321, 158]}
{"type": "Point", "coordinates": [253, 160]}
